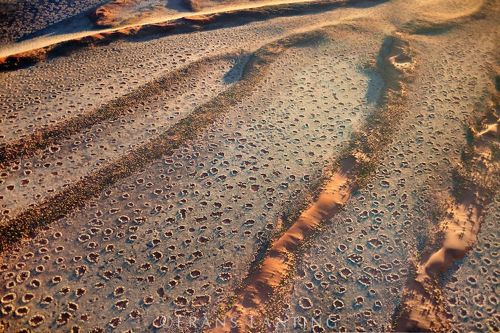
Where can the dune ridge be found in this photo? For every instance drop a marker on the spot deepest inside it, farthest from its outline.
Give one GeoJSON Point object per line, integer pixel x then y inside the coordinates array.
{"type": "Point", "coordinates": [463, 213]}
{"type": "Point", "coordinates": [44, 137]}
{"type": "Point", "coordinates": [184, 24]}
{"type": "Point", "coordinates": [261, 293]}
{"type": "Point", "coordinates": [187, 129]}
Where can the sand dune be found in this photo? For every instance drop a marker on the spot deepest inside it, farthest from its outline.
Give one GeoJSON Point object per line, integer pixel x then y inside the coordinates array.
{"type": "Point", "coordinates": [155, 22]}
{"type": "Point", "coordinates": [253, 166]}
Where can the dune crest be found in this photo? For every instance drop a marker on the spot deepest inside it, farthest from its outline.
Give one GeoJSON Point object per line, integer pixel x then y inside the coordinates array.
{"type": "Point", "coordinates": [260, 289]}
{"type": "Point", "coordinates": [475, 183]}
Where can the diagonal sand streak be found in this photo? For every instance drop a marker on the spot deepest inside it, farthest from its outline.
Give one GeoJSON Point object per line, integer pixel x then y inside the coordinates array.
{"type": "Point", "coordinates": [262, 287]}
{"type": "Point", "coordinates": [39, 43]}
{"type": "Point", "coordinates": [423, 308]}
{"type": "Point", "coordinates": [172, 82]}
{"type": "Point", "coordinates": [184, 131]}
{"type": "Point", "coordinates": [279, 260]}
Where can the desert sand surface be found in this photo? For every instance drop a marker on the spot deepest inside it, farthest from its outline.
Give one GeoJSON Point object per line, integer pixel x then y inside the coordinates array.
{"type": "Point", "coordinates": [249, 166]}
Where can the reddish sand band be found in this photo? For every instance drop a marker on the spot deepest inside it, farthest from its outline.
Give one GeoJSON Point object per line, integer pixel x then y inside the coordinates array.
{"type": "Point", "coordinates": [279, 259]}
